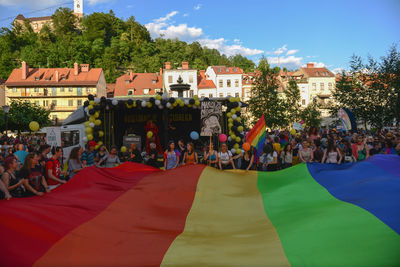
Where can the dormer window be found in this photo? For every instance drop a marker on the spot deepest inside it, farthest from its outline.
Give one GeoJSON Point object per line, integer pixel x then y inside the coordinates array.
{"type": "Point", "coordinates": [127, 81]}
{"type": "Point", "coordinates": [130, 92]}
{"type": "Point", "coordinates": [154, 81]}
{"type": "Point", "coordinates": [227, 69]}
{"type": "Point", "coordinates": [36, 78]}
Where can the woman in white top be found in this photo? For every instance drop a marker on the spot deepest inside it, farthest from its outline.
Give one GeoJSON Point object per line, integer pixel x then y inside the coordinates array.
{"type": "Point", "coordinates": [287, 156]}
{"type": "Point", "coordinates": [270, 158]}
{"type": "Point", "coordinates": [225, 161]}
{"type": "Point", "coordinates": [305, 153]}
{"type": "Point", "coordinates": [332, 153]}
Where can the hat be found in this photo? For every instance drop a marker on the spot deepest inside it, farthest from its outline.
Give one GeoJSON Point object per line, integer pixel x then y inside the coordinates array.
{"type": "Point", "coordinates": [92, 143]}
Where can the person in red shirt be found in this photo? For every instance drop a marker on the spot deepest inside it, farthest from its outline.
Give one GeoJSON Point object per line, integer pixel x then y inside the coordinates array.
{"type": "Point", "coordinates": [53, 169]}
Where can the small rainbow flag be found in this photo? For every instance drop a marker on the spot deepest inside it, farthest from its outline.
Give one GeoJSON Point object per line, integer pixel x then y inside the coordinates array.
{"type": "Point", "coordinates": [256, 137]}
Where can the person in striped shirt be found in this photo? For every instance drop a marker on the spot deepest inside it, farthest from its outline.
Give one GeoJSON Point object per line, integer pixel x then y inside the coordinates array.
{"type": "Point", "coordinates": [89, 155]}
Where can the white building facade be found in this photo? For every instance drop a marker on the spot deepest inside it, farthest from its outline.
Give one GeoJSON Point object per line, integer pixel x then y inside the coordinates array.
{"type": "Point", "coordinates": [189, 76]}
{"type": "Point", "coordinates": [228, 80]}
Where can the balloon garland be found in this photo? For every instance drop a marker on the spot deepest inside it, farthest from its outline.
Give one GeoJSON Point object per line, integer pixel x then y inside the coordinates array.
{"type": "Point", "coordinates": [235, 125]}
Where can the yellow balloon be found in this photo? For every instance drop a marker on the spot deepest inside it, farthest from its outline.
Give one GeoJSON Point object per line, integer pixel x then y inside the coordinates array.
{"type": "Point", "coordinates": [123, 149]}
{"type": "Point", "coordinates": [89, 137]}
{"type": "Point", "coordinates": [236, 146]}
{"type": "Point", "coordinates": [229, 115]}
{"type": "Point", "coordinates": [238, 109]}
{"type": "Point", "coordinates": [304, 125]}
{"type": "Point", "coordinates": [196, 97]}
{"type": "Point", "coordinates": [238, 119]}
{"type": "Point", "coordinates": [158, 97]}
{"type": "Point", "coordinates": [197, 103]}
{"type": "Point", "coordinates": [230, 125]}
{"type": "Point", "coordinates": [91, 102]}
{"type": "Point", "coordinates": [233, 136]}
{"type": "Point", "coordinates": [233, 111]}
{"type": "Point", "coordinates": [86, 123]}
{"type": "Point", "coordinates": [101, 133]}
{"type": "Point", "coordinates": [231, 99]}
{"type": "Point", "coordinates": [92, 119]}
{"type": "Point", "coordinates": [240, 129]}
{"type": "Point", "coordinates": [293, 132]}
{"type": "Point", "coordinates": [34, 126]}
{"type": "Point", "coordinates": [181, 104]}
{"type": "Point", "coordinates": [149, 134]}
{"type": "Point", "coordinates": [100, 143]}
{"type": "Point", "coordinates": [149, 105]}
{"type": "Point", "coordinates": [88, 130]}
{"type": "Point", "coordinates": [230, 120]}
{"type": "Point", "coordinates": [97, 122]}
{"type": "Point", "coordinates": [90, 107]}
{"type": "Point", "coordinates": [97, 114]}
{"type": "Point", "coordinates": [97, 146]}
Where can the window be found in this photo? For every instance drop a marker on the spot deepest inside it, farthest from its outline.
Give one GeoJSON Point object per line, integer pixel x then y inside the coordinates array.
{"type": "Point", "coordinates": [221, 83]}
{"type": "Point", "coordinates": [202, 95]}
{"type": "Point", "coordinates": [37, 102]}
{"type": "Point", "coordinates": [27, 90]}
{"type": "Point", "coordinates": [170, 79]}
{"type": "Point", "coordinates": [36, 90]}
{"type": "Point", "coordinates": [228, 83]}
{"type": "Point", "coordinates": [330, 86]}
{"type": "Point", "coordinates": [87, 89]}
{"type": "Point", "coordinates": [314, 86]}
{"type": "Point", "coordinates": [210, 96]}
{"type": "Point", "coordinates": [227, 69]}
{"type": "Point", "coordinates": [146, 91]}
{"type": "Point", "coordinates": [303, 102]}
{"type": "Point", "coordinates": [236, 94]}
{"type": "Point", "coordinates": [14, 89]}
{"type": "Point", "coordinates": [191, 93]}
{"type": "Point", "coordinates": [322, 86]}
{"type": "Point", "coordinates": [70, 89]}
{"type": "Point", "coordinates": [236, 83]}
{"type": "Point", "coordinates": [70, 138]}
{"type": "Point", "coordinates": [127, 81]}
{"type": "Point", "coordinates": [229, 94]}
{"type": "Point", "coordinates": [45, 103]}
{"type": "Point", "coordinates": [130, 92]}
{"type": "Point", "coordinates": [154, 81]}
{"type": "Point", "coordinates": [70, 102]}
{"type": "Point", "coordinates": [54, 117]}
{"type": "Point", "coordinates": [234, 69]}
{"type": "Point", "coordinates": [35, 26]}
{"type": "Point", "coordinates": [190, 78]}
{"type": "Point", "coordinates": [54, 102]}
{"type": "Point", "coordinates": [221, 95]}
{"type": "Point", "coordinates": [62, 89]}
{"type": "Point", "coordinates": [79, 102]}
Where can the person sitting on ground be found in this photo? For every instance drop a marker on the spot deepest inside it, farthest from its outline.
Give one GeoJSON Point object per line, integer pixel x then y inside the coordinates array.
{"type": "Point", "coordinates": [153, 155]}
{"type": "Point", "coordinates": [53, 168]}
{"type": "Point", "coordinates": [287, 156]}
{"type": "Point", "coordinates": [171, 159]}
{"type": "Point", "coordinates": [211, 156]}
{"type": "Point", "coordinates": [332, 153]}
{"type": "Point", "coordinates": [36, 182]}
{"type": "Point", "coordinates": [190, 156]}
{"type": "Point", "coordinates": [14, 186]}
{"type": "Point", "coordinates": [135, 155]}
{"type": "Point", "coordinates": [225, 158]}
{"type": "Point", "coordinates": [74, 161]}
{"type": "Point", "coordinates": [247, 161]}
{"type": "Point", "coordinates": [88, 157]}
{"type": "Point", "coordinates": [111, 159]}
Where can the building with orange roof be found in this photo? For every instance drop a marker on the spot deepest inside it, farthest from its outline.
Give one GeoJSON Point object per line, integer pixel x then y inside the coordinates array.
{"type": "Point", "coordinates": [171, 76]}
{"type": "Point", "coordinates": [138, 85]}
{"type": "Point", "coordinates": [316, 83]}
{"type": "Point", "coordinates": [61, 90]}
{"type": "Point", "coordinates": [228, 80]}
{"type": "Point", "coordinates": [206, 88]}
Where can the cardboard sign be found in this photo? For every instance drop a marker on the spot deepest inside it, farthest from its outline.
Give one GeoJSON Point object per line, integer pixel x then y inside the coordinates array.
{"type": "Point", "coordinates": [297, 126]}
{"type": "Point", "coordinates": [53, 136]}
{"type": "Point", "coordinates": [211, 113]}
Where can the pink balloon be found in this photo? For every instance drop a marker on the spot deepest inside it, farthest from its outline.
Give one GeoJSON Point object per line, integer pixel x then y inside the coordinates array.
{"type": "Point", "coordinates": [222, 137]}
{"type": "Point", "coordinates": [302, 122]}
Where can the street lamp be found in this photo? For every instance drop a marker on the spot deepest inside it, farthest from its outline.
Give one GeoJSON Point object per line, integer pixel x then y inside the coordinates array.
{"type": "Point", "coordinates": [6, 109]}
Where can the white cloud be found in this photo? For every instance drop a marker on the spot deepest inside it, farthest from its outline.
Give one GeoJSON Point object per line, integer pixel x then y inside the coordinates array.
{"type": "Point", "coordinates": [290, 61]}
{"type": "Point", "coordinates": [338, 70]}
{"type": "Point", "coordinates": [167, 17]}
{"type": "Point", "coordinates": [95, 2]}
{"type": "Point", "coordinates": [280, 50]}
{"type": "Point", "coordinates": [229, 50]}
{"type": "Point", "coordinates": [292, 52]}
{"type": "Point", "coordinates": [316, 64]}
{"type": "Point", "coordinates": [186, 15]}
{"type": "Point", "coordinates": [164, 28]}
{"type": "Point", "coordinates": [197, 7]}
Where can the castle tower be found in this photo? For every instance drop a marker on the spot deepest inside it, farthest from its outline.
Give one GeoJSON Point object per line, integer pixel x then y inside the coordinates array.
{"type": "Point", "coordinates": [78, 8]}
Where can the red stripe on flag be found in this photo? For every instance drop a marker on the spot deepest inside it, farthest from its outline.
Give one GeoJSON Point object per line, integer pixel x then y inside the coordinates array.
{"type": "Point", "coordinates": [260, 126]}
{"type": "Point", "coordinates": [136, 229]}
{"type": "Point", "coordinates": [30, 226]}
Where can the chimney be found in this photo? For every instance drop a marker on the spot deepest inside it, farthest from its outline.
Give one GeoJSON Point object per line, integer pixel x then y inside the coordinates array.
{"type": "Point", "coordinates": [56, 76]}
{"type": "Point", "coordinates": [310, 65]}
{"type": "Point", "coordinates": [160, 71]}
{"type": "Point", "coordinates": [25, 70]}
{"type": "Point", "coordinates": [130, 75]}
{"type": "Point", "coordinates": [167, 65]}
{"type": "Point", "coordinates": [185, 65]}
{"type": "Point", "coordinates": [76, 69]}
{"type": "Point", "coordinates": [85, 67]}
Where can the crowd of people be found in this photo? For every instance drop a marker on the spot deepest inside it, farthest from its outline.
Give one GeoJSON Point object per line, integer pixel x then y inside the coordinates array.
{"type": "Point", "coordinates": [28, 166]}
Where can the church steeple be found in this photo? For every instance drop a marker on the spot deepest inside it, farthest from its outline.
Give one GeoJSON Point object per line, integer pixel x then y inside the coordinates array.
{"type": "Point", "coordinates": [78, 7]}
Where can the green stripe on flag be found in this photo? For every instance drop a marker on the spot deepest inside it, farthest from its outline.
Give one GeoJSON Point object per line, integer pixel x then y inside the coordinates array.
{"type": "Point", "coordinates": [317, 229]}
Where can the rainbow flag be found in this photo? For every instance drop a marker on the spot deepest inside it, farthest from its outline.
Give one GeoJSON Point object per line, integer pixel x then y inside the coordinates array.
{"type": "Point", "coordinates": [134, 215]}
{"type": "Point", "coordinates": [257, 136]}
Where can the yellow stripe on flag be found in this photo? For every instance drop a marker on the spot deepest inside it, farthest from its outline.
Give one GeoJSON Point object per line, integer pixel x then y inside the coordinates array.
{"type": "Point", "coordinates": [227, 225]}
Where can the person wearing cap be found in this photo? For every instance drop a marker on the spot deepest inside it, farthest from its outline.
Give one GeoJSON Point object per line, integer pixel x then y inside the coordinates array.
{"type": "Point", "coordinates": [89, 155]}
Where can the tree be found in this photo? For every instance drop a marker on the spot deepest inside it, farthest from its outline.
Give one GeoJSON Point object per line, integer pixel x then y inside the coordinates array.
{"type": "Point", "coordinates": [292, 102]}
{"type": "Point", "coordinates": [265, 99]}
{"type": "Point", "coordinates": [23, 112]}
{"type": "Point", "coordinates": [64, 21]}
{"type": "Point", "coordinates": [311, 114]}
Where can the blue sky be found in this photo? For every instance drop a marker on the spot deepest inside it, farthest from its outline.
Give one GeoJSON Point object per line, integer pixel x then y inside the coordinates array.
{"type": "Point", "coordinates": [290, 32]}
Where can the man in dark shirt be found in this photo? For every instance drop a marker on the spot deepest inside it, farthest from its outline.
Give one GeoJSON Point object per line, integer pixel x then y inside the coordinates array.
{"type": "Point", "coordinates": [135, 154]}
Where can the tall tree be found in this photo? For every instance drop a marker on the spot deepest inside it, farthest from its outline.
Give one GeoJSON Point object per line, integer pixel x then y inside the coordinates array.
{"type": "Point", "coordinates": [23, 112]}
{"type": "Point", "coordinates": [265, 99]}
{"type": "Point", "coordinates": [311, 114]}
{"type": "Point", "coordinates": [64, 21]}
{"type": "Point", "coordinates": [292, 102]}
